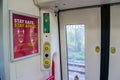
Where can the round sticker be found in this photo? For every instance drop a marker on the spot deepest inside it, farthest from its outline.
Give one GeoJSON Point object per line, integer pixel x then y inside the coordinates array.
{"type": "Point", "coordinates": [97, 49]}
{"type": "Point", "coordinates": [46, 63]}
{"type": "Point", "coordinates": [113, 50]}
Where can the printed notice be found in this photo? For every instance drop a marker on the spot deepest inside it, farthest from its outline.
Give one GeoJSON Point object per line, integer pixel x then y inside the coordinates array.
{"type": "Point", "coordinates": [25, 35]}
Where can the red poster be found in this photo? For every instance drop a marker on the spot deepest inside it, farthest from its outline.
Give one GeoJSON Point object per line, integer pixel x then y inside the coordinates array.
{"type": "Point", "coordinates": [25, 35]}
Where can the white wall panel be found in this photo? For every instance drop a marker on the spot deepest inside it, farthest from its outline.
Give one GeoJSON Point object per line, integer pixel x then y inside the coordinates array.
{"type": "Point", "coordinates": [30, 69]}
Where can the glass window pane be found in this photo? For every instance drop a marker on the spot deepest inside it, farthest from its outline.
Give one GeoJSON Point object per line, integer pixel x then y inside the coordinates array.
{"type": "Point", "coordinates": [76, 51]}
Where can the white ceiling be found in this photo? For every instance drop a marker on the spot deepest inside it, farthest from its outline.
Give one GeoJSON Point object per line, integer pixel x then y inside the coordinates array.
{"type": "Point", "coordinates": [67, 4]}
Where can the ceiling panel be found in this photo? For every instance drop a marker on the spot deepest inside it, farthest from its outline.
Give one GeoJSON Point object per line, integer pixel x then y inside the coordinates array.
{"type": "Point", "coordinates": [67, 4]}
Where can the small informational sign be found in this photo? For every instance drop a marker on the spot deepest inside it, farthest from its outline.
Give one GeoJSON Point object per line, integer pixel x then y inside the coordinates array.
{"type": "Point", "coordinates": [24, 35]}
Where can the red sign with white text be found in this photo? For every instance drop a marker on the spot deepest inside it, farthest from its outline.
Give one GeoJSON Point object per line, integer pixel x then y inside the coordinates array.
{"type": "Point", "coordinates": [25, 35]}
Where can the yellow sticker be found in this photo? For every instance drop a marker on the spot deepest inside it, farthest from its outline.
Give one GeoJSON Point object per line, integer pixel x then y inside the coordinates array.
{"type": "Point", "coordinates": [46, 63]}
{"type": "Point", "coordinates": [76, 77]}
{"type": "Point", "coordinates": [113, 50]}
{"type": "Point", "coordinates": [97, 49]}
{"type": "Point", "coordinates": [46, 47]}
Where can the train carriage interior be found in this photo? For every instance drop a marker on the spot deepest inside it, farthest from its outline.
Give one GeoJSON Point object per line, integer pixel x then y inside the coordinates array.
{"type": "Point", "coordinates": [59, 39]}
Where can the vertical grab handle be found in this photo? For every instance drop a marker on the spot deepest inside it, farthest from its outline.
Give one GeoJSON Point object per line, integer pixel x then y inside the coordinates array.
{"type": "Point", "coordinates": [52, 77]}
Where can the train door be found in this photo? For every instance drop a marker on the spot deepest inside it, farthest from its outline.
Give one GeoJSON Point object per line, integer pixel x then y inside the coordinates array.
{"type": "Point", "coordinates": [114, 66]}
{"type": "Point", "coordinates": [80, 44]}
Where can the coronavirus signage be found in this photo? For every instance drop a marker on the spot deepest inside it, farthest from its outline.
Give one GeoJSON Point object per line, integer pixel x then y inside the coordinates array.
{"type": "Point", "coordinates": [24, 35]}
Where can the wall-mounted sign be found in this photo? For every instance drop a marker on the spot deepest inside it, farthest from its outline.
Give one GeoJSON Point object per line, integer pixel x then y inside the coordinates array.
{"type": "Point", "coordinates": [24, 35]}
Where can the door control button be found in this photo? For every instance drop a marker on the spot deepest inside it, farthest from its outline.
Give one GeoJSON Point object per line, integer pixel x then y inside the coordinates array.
{"type": "Point", "coordinates": [46, 55]}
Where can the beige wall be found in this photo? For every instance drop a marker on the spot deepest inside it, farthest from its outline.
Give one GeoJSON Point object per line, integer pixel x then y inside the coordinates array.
{"type": "Point", "coordinates": [30, 68]}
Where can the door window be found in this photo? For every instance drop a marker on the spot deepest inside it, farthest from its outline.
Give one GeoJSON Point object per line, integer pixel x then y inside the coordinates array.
{"type": "Point", "coordinates": [75, 51]}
